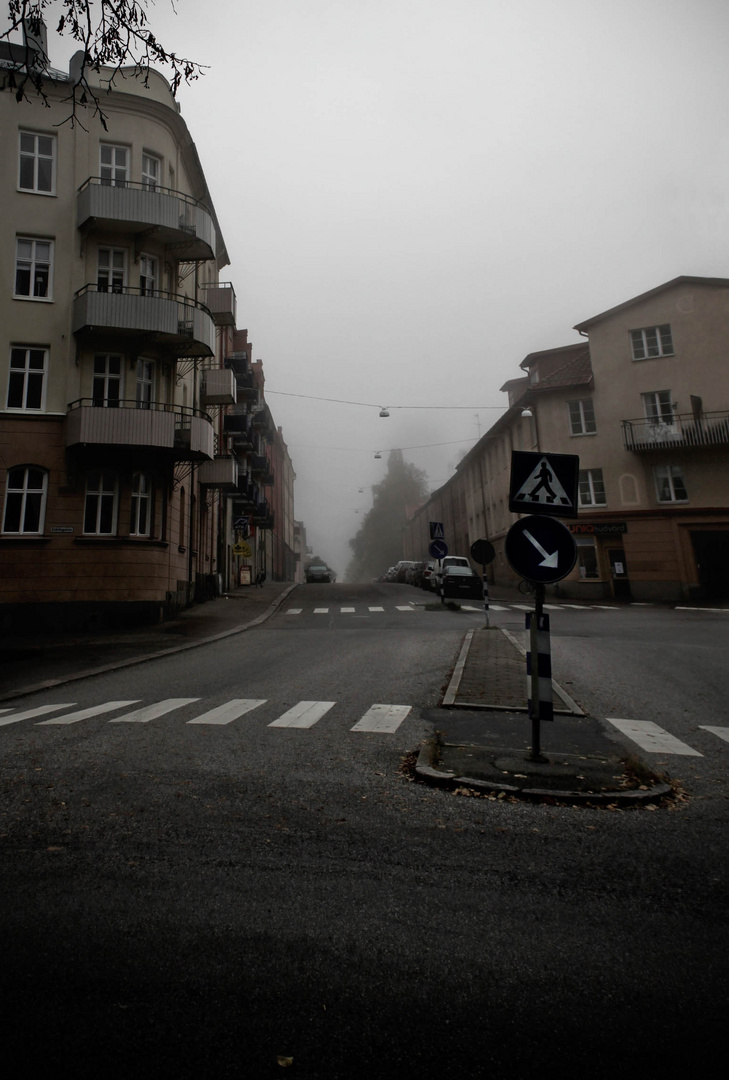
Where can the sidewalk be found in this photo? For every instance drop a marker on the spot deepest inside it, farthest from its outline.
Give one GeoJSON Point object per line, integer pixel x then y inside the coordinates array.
{"type": "Point", "coordinates": [35, 662]}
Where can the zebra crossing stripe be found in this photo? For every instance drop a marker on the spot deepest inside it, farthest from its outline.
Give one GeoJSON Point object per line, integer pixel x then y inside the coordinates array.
{"type": "Point", "coordinates": [720, 732]}
{"type": "Point", "coordinates": [402, 607]}
{"type": "Point", "coordinates": [151, 712]}
{"type": "Point", "coordinates": [651, 737]}
{"type": "Point", "coordinates": [382, 718]}
{"type": "Point", "coordinates": [321, 610]}
{"type": "Point", "coordinates": [303, 715]}
{"type": "Point", "coordinates": [231, 710]}
{"type": "Point", "coordinates": [376, 609]}
{"type": "Point", "coordinates": [40, 710]}
{"type": "Point", "coordinates": [346, 610]}
{"type": "Point", "coordinates": [294, 611]}
{"type": "Point", "coordinates": [86, 714]}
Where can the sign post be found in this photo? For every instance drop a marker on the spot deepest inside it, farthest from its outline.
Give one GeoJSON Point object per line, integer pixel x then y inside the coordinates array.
{"type": "Point", "coordinates": [483, 552]}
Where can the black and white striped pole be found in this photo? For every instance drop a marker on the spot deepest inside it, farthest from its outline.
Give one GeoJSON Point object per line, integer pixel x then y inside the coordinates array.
{"type": "Point", "coordinates": [484, 552]}
{"type": "Point", "coordinates": [539, 672]}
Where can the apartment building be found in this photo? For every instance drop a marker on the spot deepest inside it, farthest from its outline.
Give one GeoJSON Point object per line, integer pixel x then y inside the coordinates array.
{"type": "Point", "coordinates": [120, 489]}
{"type": "Point", "coordinates": [644, 403]}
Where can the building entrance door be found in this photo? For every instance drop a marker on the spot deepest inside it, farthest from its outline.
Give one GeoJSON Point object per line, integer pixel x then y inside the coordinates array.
{"type": "Point", "coordinates": [619, 573]}
{"type": "Point", "coordinates": [712, 560]}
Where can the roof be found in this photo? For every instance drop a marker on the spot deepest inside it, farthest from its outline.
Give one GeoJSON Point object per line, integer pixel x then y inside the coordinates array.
{"type": "Point", "coordinates": [682, 280]}
{"type": "Point", "coordinates": [577, 371]}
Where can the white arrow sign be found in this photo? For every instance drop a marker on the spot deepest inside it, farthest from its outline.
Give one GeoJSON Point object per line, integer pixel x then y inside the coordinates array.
{"type": "Point", "coordinates": [549, 560]}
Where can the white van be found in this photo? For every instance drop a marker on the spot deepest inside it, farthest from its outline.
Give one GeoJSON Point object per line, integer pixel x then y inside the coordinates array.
{"type": "Point", "coordinates": [436, 578]}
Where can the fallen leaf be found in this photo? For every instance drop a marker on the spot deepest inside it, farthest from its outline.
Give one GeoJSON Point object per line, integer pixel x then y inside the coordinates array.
{"type": "Point", "coordinates": [284, 1062]}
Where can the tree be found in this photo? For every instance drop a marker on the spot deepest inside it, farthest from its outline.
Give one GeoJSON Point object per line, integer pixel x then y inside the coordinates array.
{"type": "Point", "coordinates": [111, 34]}
{"type": "Point", "coordinates": [378, 544]}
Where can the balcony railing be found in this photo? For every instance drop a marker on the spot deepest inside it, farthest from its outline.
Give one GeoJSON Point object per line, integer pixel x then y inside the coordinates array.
{"type": "Point", "coordinates": [680, 430]}
{"type": "Point", "coordinates": [218, 387]}
{"type": "Point", "coordinates": [173, 320]}
{"type": "Point", "coordinates": [221, 300]}
{"type": "Point", "coordinates": [220, 473]}
{"type": "Point", "coordinates": [186, 434]}
{"type": "Point", "coordinates": [185, 225]}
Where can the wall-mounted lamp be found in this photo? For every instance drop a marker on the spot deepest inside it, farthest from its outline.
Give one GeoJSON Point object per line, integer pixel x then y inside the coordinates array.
{"type": "Point", "coordinates": [526, 414]}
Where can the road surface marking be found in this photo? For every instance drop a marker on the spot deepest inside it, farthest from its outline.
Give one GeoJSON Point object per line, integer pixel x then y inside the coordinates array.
{"type": "Point", "coordinates": [151, 712]}
{"type": "Point", "coordinates": [523, 607]}
{"type": "Point", "coordinates": [376, 609]}
{"type": "Point", "coordinates": [576, 607]}
{"type": "Point", "coordinates": [40, 710]}
{"type": "Point", "coordinates": [321, 610]}
{"type": "Point", "coordinates": [84, 714]}
{"type": "Point", "coordinates": [304, 715]}
{"type": "Point", "coordinates": [498, 607]}
{"type": "Point", "coordinates": [228, 712]}
{"type": "Point", "coordinates": [294, 611]}
{"type": "Point", "coordinates": [606, 607]}
{"type": "Point", "coordinates": [722, 732]}
{"type": "Point", "coordinates": [346, 609]}
{"type": "Point", "coordinates": [721, 609]}
{"type": "Point", "coordinates": [382, 718]}
{"type": "Point", "coordinates": [651, 737]}
{"type": "Point", "coordinates": [401, 607]}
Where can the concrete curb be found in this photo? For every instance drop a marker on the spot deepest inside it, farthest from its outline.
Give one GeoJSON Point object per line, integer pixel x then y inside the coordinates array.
{"type": "Point", "coordinates": [425, 772]}
{"type": "Point", "coordinates": [118, 665]}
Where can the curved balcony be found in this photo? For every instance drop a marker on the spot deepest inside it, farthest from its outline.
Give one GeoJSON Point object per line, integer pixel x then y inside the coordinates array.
{"type": "Point", "coordinates": [184, 434]}
{"type": "Point", "coordinates": [181, 223]}
{"type": "Point", "coordinates": [181, 325]}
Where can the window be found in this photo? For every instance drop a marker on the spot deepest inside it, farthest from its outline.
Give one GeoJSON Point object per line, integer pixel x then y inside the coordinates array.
{"type": "Point", "coordinates": [25, 500]}
{"type": "Point", "coordinates": [653, 341]}
{"type": "Point", "coordinates": [27, 382]}
{"type": "Point", "coordinates": [112, 273]}
{"type": "Point", "coordinates": [582, 417]}
{"type": "Point", "coordinates": [658, 407]}
{"type": "Point", "coordinates": [145, 382]}
{"type": "Point", "coordinates": [37, 163]}
{"type": "Point", "coordinates": [591, 488]}
{"type": "Point", "coordinates": [587, 557]}
{"type": "Point", "coordinates": [670, 484]}
{"type": "Point", "coordinates": [114, 165]}
{"type": "Point", "coordinates": [101, 504]}
{"type": "Point", "coordinates": [151, 172]}
{"type": "Point", "coordinates": [33, 268]}
{"type": "Point", "coordinates": [106, 388]}
{"type": "Point", "coordinates": [141, 505]}
{"type": "Point", "coordinates": [147, 275]}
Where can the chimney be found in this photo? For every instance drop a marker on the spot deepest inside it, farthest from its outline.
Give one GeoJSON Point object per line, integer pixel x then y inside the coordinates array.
{"type": "Point", "coordinates": [35, 39]}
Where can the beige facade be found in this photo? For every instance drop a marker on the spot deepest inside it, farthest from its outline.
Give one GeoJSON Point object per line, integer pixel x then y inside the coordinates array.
{"type": "Point", "coordinates": [644, 403]}
{"type": "Point", "coordinates": [120, 484]}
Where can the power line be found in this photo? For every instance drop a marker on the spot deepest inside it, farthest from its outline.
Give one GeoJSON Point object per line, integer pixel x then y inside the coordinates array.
{"type": "Point", "coordinates": [368, 450]}
{"type": "Point", "coordinates": [370, 405]}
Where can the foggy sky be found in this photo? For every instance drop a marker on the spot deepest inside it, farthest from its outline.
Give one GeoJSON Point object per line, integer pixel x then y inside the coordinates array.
{"type": "Point", "coordinates": [416, 194]}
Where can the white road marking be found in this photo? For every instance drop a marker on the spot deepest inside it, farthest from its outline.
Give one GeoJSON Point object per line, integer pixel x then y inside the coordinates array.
{"type": "Point", "coordinates": [721, 732]}
{"type": "Point", "coordinates": [303, 715]}
{"type": "Point", "coordinates": [576, 607]}
{"type": "Point", "coordinates": [651, 737]}
{"type": "Point", "coordinates": [84, 714]}
{"type": "Point", "coordinates": [40, 710]}
{"type": "Point", "coordinates": [151, 712]}
{"type": "Point", "coordinates": [382, 718]}
{"type": "Point", "coordinates": [228, 712]}
{"type": "Point", "coordinates": [523, 607]}
{"type": "Point", "coordinates": [376, 609]}
{"type": "Point", "coordinates": [294, 611]}
{"type": "Point", "coordinates": [321, 610]}
{"type": "Point", "coordinates": [721, 609]}
{"type": "Point", "coordinates": [346, 609]}
{"type": "Point", "coordinates": [498, 607]}
{"type": "Point", "coordinates": [606, 607]}
{"type": "Point", "coordinates": [402, 607]}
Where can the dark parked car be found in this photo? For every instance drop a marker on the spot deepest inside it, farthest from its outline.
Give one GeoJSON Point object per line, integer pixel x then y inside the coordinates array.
{"type": "Point", "coordinates": [461, 583]}
{"type": "Point", "coordinates": [415, 573]}
{"type": "Point", "coordinates": [318, 573]}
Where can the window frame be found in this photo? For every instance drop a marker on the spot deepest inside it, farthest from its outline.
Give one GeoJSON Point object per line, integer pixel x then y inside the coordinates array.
{"type": "Point", "coordinates": [107, 377]}
{"type": "Point", "coordinates": [671, 472]}
{"type": "Point", "coordinates": [581, 417]}
{"type": "Point", "coordinates": [37, 157]}
{"type": "Point", "coordinates": [25, 491]}
{"type": "Point", "coordinates": [590, 477]}
{"type": "Point", "coordinates": [111, 285]}
{"type": "Point", "coordinates": [148, 262]}
{"type": "Point", "coordinates": [145, 378]}
{"type": "Point", "coordinates": [104, 497]}
{"type": "Point", "coordinates": [149, 182]}
{"type": "Point", "coordinates": [663, 345]}
{"type": "Point", "coordinates": [114, 180]}
{"type": "Point", "coordinates": [34, 264]}
{"type": "Point", "coordinates": [27, 373]}
{"type": "Point", "coordinates": [142, 505]}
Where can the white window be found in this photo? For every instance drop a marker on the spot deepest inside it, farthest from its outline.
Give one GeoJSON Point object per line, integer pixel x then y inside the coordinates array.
{"type": "Point", "coordinates": [101, 504]}
{"type": "Point", "coordinates": [27, 381]}
{"type": "Point", "coordinates": [653, 341]}
{"type": "Point", "coordinates": [582, 417]}
{"type": "Point", "coordinates": [106, 389]}
{"type": "Point", "coordinates": [587, 557]}
{"type": "Point", "coordinates": [112, 273]}
{"type": "Point", "coordinates": [151, 172]}
{"type": "Point", "coordinates": [145, 382]}
{"type": "Point", "coordinates": [141, 505]}
{"type": "Point", "coordinates": [147, 275]}
{"type": "Point", "coordinates": [37, 163]}
{"type": "Point", "coordinates": [658, 406]}
{"type": "Point", "coordinates": [114, 165]}
{"type": "Point", "coordinates": [670, 483]}
{"type": "Point", "coordinates": [591, 488]}
{"type": "Point", "coordinates": [34, 268]}
{"type": "Point", "coordinates": [25, 500]}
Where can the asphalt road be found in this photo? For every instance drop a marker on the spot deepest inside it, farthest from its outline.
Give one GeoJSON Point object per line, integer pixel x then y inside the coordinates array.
{"type": "Point", "coordinates": [213, 899]}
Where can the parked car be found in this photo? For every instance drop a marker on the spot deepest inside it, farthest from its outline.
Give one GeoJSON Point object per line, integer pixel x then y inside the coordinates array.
{"type": "Point", "coordinates": [318, 573]}
{"type": "Point", "coordinates": [426, 577]}
{"type": "Point", "coordinates": [449, 560]}
{"type": "Point", "coordinates": [401, 569]}
{"type": "Point", "coordinates": [414, 573]}
{"type": "Point", "coordinates": [461, 583]}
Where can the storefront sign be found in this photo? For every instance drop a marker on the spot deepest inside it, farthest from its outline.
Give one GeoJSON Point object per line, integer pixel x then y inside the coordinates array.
{"type": "Point", "coordinates": [607, 528]}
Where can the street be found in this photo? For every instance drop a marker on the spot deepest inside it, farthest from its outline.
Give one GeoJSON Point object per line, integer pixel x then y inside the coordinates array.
{"type": "Point", "coordinates": [214, 863]}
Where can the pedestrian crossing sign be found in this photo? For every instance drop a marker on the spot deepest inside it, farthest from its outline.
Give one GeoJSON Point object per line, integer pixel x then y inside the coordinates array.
{"type": "Point", "coordinates": [436, 530]}
{"type": "Point", "coordinates": [544, 483]}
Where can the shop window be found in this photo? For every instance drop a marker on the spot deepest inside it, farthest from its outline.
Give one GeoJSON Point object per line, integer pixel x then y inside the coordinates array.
{"type": "Point", "coordinates": [587, 557]}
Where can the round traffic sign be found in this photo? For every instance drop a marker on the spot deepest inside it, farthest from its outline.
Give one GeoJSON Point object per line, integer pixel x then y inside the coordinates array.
{"type": "Point", "coordinates": [483, 552]}
{"type": "Point", "coordinates": [438, 549]}
{"type": "Point", "coordinates": [541, 549]}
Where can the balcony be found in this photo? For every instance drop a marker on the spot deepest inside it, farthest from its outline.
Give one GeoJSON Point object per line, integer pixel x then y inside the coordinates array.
{"type": "Point", "coordinates": [218, 387]}
{"type": "Point", "coordinates": [261, 469]}
{"type": "Point", "coordinates": [184, 434]}
{"type": "Point", "coordinates": [221, 473]}
{"type": "Point", "coordinates": [221, 300]}
{"type": "Point", "coordinates": [237, 362]}
{"type": "Point", "coordinates": [681, 430]}
{"type": "Point", "coordinates": [183, 224]}
{"type": "Point", "coordinates": [179, 324]}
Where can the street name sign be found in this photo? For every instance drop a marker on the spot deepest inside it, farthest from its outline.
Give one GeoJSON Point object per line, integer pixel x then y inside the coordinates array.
{"type": "Point", "coordinates": [544, 483]}
{"type": "Point", "coordinates": [438, 549]}
{"type": "Point", "coordinates": [540, 549]}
